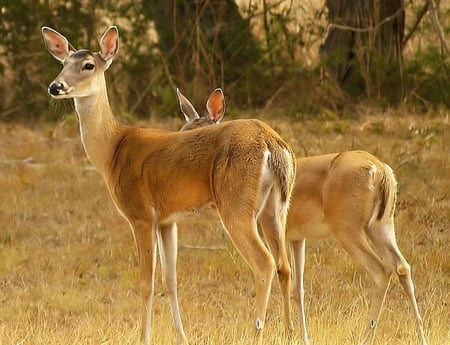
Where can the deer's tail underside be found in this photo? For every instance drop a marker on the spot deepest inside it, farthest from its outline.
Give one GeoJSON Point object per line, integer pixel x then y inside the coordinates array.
{"type": "Point", "coordinates": [283, 165]}
{"type": "Point", "coordinates": [386, 195]}
{"type": "Point", "coordinates": [386, 187]}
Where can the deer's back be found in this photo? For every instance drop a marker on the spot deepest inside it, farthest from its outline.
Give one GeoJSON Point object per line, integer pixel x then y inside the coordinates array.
{"type": "Point", "coordinates": [175, 171]}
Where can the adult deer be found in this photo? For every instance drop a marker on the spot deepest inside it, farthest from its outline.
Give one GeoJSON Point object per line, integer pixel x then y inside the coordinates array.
{"type": "Point", "coordinates": [243, 168]}
{"type": "Point", "coordinates": [349, 196]}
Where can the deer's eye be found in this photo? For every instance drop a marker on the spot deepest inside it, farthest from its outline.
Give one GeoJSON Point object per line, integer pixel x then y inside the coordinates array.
{"type": "Point", "coordinates": [89, 66]}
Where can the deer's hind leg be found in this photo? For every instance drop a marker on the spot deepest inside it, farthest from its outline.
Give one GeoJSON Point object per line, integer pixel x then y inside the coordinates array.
{"type": "Point", "coordinates": [382, 235]}
{"type": "Point", "coordinates": [272, 220]}
{"type": "Point", "coordinates": [237, 198]}
{"type": "Point", "coordinates": [357, 246]}
{"type": "Point", "coordinates": [243, 232]}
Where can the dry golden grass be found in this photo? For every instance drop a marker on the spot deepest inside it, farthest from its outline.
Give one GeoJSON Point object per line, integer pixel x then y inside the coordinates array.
{"type": "Point", "coordinates": [68, 271]}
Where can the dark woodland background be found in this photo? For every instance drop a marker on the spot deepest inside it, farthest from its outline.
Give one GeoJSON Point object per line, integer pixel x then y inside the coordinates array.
{"type": "Point", "coordinates": [299, 58]}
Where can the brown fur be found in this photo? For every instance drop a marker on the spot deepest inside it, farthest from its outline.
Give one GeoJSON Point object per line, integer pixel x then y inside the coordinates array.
{"type": "Point", "coordinates": [350, 196]}
{"type": "Point", "coordinates": [154, 176]}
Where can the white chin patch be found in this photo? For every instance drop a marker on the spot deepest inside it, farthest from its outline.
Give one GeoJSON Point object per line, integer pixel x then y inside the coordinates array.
{"type": "Point", "coordinates": [63, 93]}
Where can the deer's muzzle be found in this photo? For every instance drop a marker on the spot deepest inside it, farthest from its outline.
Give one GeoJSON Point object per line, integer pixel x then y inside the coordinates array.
{"type": "Point", "coordinates": [56, 89]}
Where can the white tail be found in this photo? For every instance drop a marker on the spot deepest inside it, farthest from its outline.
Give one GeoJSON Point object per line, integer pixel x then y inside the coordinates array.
{"type": "Point", "coordinates": [242, 167]}
{"type": "Point", "coordinates": [350, 196]}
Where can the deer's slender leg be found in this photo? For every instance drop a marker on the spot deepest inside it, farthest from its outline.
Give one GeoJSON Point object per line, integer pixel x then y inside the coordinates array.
{"type": "Point", "coordinates": [382, 235]}
{"type": "Point", "coordinates": [243, 233]}
{"type": "Point", "coordinates": [363, 255]}
{"type": "Point", "coordinates": [298, 249]}
{"type": "Point", "coordinates": [273, 228]}
{"type": "Point", "coordinates": [168, 247]}
{"type": "Point", "coordinates": [146, 244]}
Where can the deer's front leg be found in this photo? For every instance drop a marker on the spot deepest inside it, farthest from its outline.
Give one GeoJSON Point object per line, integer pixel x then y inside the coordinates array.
{"type": "Point", "coordinates": [144, 234]}
{"type": "Point", "coordinates": [168, 248]}
{"type": "Point", "coordinates": [298, 248]}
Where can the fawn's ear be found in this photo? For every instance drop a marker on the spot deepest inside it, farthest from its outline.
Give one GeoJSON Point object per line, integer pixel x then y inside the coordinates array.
{"type": "Point", "coordinates": [57, 44]}
{"type": "Point", "coordinates": [109, 45]}
{"type": "Point", "coordinates": [186, 107]}
{"type": "Point", "coordinates": [216, 105]}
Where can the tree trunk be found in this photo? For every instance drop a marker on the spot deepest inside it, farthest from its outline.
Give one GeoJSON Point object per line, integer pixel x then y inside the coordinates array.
{"type": "Point", "coordinates": [363, 46]}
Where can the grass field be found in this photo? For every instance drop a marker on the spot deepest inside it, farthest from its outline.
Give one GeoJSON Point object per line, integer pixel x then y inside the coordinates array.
{"type": "Point", "coordinates": [68, 270]}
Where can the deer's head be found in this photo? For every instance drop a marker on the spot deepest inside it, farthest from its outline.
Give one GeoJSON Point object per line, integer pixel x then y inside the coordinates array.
{"type": "Point", "coordinates": [83, 70]}
{"type": "Point", "coordinates": [215, 107]}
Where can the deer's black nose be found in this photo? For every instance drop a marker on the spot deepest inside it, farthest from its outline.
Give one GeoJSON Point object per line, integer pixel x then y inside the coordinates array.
{"type": "Point", "coordinates": [55, 88]}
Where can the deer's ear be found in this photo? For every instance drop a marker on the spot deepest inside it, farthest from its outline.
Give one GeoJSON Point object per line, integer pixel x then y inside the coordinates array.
{"type": "Point", "coordinates": [109, 44]}
{"type": "Point", "coordinates": [216, 105]}
{"type": "Point", "coordinates": [57, 44]}
{"type": "Point", "coordinates": [186, 107]}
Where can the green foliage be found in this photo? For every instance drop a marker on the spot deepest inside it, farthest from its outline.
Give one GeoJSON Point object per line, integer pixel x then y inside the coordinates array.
{"type": "Point", "coordinates": [428, 78]}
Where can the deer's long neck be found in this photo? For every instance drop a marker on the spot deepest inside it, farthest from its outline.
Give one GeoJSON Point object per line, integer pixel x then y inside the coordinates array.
{"type": "Point", "coordinates": [98, 128]}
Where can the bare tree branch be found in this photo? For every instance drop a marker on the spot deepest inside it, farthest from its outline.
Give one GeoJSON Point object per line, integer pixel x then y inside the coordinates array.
{"type": "Point", "coordinates": [437, 26]}
{"type": "Point", "coordinates": [369, 28]}
{"type": "Point", "coordinates": [419, 18]}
